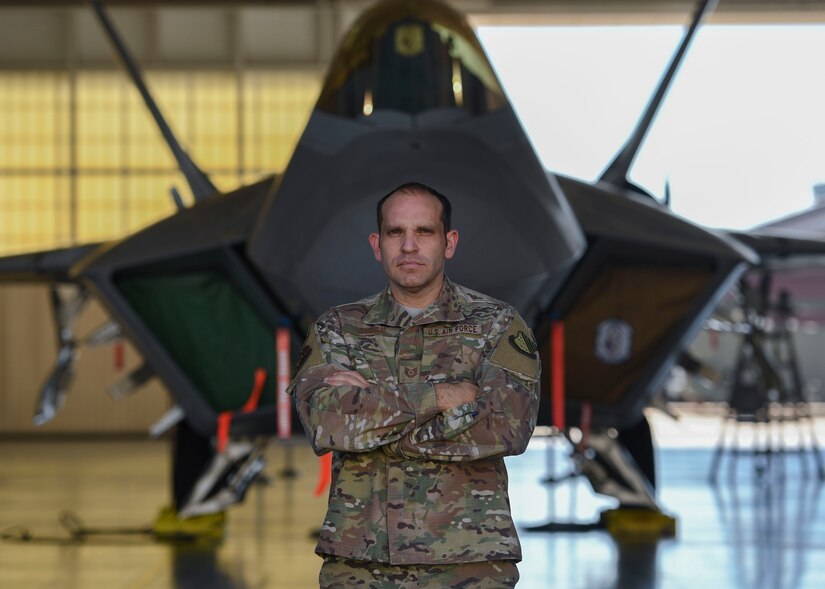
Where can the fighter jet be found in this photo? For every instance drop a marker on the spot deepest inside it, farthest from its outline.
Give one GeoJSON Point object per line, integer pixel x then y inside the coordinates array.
{"type": "Point", "coordinates": [642, 290]}
{"type": "Point", "coordinates": [410, 95]}
{"type": "Point", "coordinates": [641, 293]}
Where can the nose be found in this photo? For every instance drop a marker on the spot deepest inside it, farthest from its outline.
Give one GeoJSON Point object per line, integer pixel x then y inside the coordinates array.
{"type": "Point", "coordinates": [409, 245]}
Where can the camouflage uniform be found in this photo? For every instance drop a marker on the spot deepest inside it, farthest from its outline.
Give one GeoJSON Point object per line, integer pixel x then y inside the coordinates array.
{"type": "Point", "coordinates": [339, 572]}
{"type": "Point", "coordinates": [412, 485]}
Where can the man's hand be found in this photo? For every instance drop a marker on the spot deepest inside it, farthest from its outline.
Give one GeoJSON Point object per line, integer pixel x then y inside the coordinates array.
{"type": "Point", "coordinates": [347, 377]}
{"type": "Point", "coordinates": [449, 395]}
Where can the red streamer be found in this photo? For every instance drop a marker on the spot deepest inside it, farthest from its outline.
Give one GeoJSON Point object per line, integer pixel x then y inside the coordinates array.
{"type": "Point", "coordinates": [557, 373]}
{"type": "Point", "coordinates": [324, 473]}
{"type": "Point", "coordinates": [284, 405]}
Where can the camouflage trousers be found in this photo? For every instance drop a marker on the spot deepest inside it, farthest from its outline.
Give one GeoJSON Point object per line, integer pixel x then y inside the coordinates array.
{"type": "Point", "coordinates": [341, 573]}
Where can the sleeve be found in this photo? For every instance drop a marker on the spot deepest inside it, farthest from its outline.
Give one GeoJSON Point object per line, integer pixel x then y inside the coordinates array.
{"type": "Point", "coordinates": [350, 418]}
{"type": "Point", "coordinates": [501, 420]}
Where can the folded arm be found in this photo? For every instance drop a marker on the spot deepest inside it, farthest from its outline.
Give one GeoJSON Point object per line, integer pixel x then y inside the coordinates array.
{"type": "Point", "coordinates": [501, 418]}
{"type": "Point", "coordinates": [342, 409]}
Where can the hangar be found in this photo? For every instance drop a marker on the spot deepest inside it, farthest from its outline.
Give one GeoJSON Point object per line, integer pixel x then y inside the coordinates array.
{"type": "Point", "coordinates": [82, 163]}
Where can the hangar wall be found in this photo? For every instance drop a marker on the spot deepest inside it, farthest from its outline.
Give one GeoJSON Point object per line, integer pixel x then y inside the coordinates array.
{"type": "Point", "coordinates": [80, 161]}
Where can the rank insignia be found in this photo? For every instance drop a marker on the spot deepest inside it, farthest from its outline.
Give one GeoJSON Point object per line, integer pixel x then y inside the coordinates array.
{"type": "Point", "coordinates": [524, 344]}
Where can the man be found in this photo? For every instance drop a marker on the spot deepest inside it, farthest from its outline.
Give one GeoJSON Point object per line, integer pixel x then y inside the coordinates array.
{"type": "Point", "coordinates": [419, 391]}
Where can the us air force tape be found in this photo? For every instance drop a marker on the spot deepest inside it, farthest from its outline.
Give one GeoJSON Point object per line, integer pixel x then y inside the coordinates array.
{"type": "Point", "coordinates": [517, 351]}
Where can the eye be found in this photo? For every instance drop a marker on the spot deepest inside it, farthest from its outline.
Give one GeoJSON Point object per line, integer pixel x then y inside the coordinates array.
{"type": "Point", "coordinates": [394, 232]}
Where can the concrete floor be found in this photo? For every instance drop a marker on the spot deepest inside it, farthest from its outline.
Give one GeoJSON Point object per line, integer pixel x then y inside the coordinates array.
{"type": "Point", "coordinates": [761, 526]}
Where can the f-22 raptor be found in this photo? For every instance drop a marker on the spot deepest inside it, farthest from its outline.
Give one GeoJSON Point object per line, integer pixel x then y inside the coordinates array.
{"type": "Point", "coordinates": [409, 95]}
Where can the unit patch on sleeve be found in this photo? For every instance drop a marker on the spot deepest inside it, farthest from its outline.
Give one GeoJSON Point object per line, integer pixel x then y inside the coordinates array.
{"type": "Point", "coordinates": [524, 344]}
{"type": "Point", "coordinates": [516, 351]}
{"type": "Point", "coordinates": [310, 355]}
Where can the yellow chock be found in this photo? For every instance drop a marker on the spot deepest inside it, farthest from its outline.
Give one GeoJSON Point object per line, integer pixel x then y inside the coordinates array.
{"type": "Point", "coordinates": [629, 523]}
{"type": "Point", "coordinates": [209, 528]}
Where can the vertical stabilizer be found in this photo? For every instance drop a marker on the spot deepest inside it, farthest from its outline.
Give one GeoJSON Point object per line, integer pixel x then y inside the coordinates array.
{"type": "Point", "coordinates": [198, 181]}
{"type": "Point", "coordinates": [616, 172]}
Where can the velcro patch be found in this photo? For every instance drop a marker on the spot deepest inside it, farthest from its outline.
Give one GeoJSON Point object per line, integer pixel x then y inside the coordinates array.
{"type": "Point", "coordinates": [371, 331]}
{"type": "Point", "coordinates": [453, 329]}
{"type": "Point", "coordinates": [524, 344]}
{"type": "Point", "coordinates": [517, 350]}
{"type": "Point", "coordinates": [310, 355]}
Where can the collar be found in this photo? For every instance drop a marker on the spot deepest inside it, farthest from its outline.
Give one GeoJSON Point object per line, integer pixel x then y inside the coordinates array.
{"type": "Point", "coordinates": [387, 311]}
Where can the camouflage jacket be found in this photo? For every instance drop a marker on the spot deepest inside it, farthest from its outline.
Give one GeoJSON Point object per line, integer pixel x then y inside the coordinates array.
{"type": "Point", "coordinates": [411, 484]}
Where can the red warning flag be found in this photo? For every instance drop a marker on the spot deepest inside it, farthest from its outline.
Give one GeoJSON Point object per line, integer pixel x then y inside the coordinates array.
{"type": "Point", "coordinates": [119, 354]}
{"type": "Point", "coordinates": [324, 473]}
{"type": "Point", "coordinates": [557, 373]}
{"type": "Point", "coordinates": [225, 417]}
{"type": "Point", "coordinates": [283, 403]}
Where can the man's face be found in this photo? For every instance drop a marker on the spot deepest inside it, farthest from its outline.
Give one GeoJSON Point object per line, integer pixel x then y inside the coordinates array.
{"type": "Point", "coordinates": [412, 245]}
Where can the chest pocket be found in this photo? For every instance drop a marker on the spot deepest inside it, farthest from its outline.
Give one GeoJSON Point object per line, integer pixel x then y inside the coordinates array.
{"type": "Point", "coordinates": [450, 356]}
{"type": "Point", "coordinates": [372, 351]}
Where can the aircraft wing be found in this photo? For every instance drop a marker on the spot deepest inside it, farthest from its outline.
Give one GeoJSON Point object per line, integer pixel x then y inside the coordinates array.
{"type": "Point", "coordinates": [46, 266]}
{"type": "Point", "coordinates": [783, 250]}
{"type": "Point", "coordinates": [793, 262]}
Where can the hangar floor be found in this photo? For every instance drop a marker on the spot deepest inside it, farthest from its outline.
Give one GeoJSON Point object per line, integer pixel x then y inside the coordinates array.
{"type": "Point", "coordinates": [761, 526]}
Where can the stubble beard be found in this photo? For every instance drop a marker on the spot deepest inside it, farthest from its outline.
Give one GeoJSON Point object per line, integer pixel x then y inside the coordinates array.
{"type": "Point", "coordinates": [414, 283]}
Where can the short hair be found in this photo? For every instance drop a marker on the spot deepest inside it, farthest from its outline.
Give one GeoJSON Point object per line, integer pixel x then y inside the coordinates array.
{"type": "Point", "coordinates": [414, 188]}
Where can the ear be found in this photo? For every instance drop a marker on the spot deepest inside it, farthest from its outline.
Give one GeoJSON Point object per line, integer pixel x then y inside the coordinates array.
{"type": "Point", "coordinates": [452, 243]}
{"type": "Point", "coordinates": [375, 245]}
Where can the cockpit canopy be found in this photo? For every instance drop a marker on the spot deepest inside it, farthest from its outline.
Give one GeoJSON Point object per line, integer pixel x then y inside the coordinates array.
{"type": "Point", "coordinates": [410, 57]}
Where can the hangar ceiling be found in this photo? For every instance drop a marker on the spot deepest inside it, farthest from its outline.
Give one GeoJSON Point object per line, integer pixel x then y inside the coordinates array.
{"type": "Point", "coordinates": [301, 33]}
{"type": "Point", "coordinates": [232, 64]}
{"type": "Point", "coordinates": [484, 6]}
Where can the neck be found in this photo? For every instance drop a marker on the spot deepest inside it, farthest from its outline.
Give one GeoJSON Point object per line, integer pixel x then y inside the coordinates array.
{"type": "Point", "coordinates": [419, 299]}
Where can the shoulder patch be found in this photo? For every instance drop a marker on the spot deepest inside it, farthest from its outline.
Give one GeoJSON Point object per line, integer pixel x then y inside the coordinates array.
{"type": "Point", "coordinates": [517, 350]}
{"type": "Point", "coordinates": [524, 344]}
{"type": "Point", "coordinates": [310, 355]}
